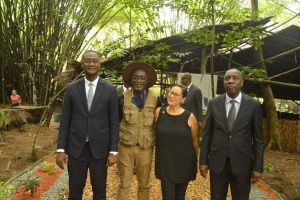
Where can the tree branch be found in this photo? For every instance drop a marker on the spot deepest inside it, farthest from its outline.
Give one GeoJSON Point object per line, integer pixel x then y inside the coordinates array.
{"type": "Point", "coordinates": [289, 71]}
{"type": "Point", "coordinates": [279, 55]}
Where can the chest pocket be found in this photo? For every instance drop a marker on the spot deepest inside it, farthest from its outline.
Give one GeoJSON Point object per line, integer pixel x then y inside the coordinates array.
{"type": "Point", "coordinates": [126, 136]}
{"type": "Point", "coordinates": [148, 116]}
{"type": "Point", "coordinates": [131, 115]}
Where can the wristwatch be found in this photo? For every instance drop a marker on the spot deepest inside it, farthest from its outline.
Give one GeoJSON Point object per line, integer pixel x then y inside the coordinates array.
{"type": "Point", "coordinates": [114, 153]}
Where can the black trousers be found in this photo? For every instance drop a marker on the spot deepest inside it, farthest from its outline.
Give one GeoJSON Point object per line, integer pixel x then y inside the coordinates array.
{"type": "Point", "coordinates": [240, 186]}
{"type": "Point", "coordinates": [78, 168]}
{"type": "Point", "coordinates": [173, 191]}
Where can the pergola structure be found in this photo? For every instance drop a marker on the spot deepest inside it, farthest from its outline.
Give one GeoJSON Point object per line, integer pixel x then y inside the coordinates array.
{"type": "Point", "coordinates": [281, 52]}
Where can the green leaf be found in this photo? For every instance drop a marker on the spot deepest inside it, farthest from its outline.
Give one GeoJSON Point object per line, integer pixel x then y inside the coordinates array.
{"type": "Point", "coordinates": [269, 168]}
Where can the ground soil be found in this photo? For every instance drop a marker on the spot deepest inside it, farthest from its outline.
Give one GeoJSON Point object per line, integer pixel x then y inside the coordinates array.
{"type": "Point", "coordinates": [15, 156]}
{"type": "Point", "coordinates": [16, 148]}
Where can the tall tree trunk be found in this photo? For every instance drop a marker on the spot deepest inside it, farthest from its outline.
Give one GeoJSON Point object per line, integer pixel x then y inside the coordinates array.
{"type": "Point", "coordinates": [274, 142]}
{"type": "Point", "coordinates": [31, 77]}
{"type": "Point", "coordinates": [212, 72]}
{"type": "Point", "coordinates": [2, 58]}
{"type": "Point", "coordinates": [203, 60]}
{"type": "Point", "coordinates": [230, 59]}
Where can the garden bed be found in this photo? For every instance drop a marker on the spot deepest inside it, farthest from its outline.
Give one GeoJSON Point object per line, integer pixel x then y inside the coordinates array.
{"type": "Point", "coordinates": [51, 185]}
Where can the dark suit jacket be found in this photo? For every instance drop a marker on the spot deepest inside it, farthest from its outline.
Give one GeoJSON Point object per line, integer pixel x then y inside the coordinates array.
{"type": "Point", "coordinates": [245, 142]}
{"type": "Point", "coordinates": [101, 123]}
{"type": "Point", "coordinates": [120, 90]}
{"type": "Point", "coordinates": [193, 102]}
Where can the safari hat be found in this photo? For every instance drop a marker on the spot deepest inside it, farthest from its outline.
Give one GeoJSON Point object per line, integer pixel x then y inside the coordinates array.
{"type": "Point", "coordinates": [139, 65]}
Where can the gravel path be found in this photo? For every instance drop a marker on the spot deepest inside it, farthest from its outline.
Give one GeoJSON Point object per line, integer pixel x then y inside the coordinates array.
{"type": "Point", "coordinates": [197, 189]}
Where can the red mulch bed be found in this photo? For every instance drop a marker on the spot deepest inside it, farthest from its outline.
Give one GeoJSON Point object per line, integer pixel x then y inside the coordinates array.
{"type": "Point", "coordinates": [47, 181]}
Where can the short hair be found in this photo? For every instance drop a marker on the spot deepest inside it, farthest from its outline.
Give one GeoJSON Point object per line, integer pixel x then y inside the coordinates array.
{"type": "Point", "coordinates": [90, 51]}
{"type": "Point", "coordinates": [187, 75]}
{"type": "Point", "coordinates": [183, 89]}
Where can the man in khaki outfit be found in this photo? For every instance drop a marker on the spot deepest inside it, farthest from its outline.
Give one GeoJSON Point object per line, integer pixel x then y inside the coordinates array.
{"type": "Point", "coordinates": [136, 137]}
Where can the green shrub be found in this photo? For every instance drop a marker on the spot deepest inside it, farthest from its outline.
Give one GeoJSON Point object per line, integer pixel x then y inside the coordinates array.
{"type": "Point", "coordinates": [49, 167]}
{"type": "Point", "coordinates": [5, 190]}
{"type": "Point", "coordinates": [31, 184]}
{"type": "Point", "coordinates": [269, 168]}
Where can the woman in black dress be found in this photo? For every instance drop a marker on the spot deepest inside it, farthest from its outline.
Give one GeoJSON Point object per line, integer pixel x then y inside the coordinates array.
{"type": "Point", "coordinates": [176, 145]}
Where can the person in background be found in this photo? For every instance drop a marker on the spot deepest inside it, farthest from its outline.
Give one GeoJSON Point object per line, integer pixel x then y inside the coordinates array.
{"type": "Point", "coordinates": [123, 88]}
{"type": "Point", "coordinates": [89, 129]}
{"type": "Point", "coordinates": [232, 148]}
{"type": "Point", "coordinates": [193, 101]}
{"type": "Point", "coordinates": [136, 138]}
{"type": "Point", "coordinates": [176, 145]}
{"type": "Point", "coordinates": [15, 98]}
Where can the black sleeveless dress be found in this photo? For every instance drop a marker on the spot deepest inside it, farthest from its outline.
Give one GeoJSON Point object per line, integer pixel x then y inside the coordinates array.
{"type": "Point", "coordinates": [175, 156]}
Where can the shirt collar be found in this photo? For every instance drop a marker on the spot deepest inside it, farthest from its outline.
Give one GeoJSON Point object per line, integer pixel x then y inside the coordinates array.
{"type": "Point", "coordinates": [189, 86]}
{"type": "Point", "coordinates": [237, 99]}
{"type": "Point", "coordinates": [95, 82]}
{"type": "Point", "coordinates": [124, 88]}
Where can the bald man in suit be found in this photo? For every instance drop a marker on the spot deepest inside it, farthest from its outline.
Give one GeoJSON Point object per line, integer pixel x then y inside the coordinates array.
{"type": "Point", "coordinates": [193, 101]}
{"type": "Point", "coordinates": [232, 148]}
{"type": "Point", "coordinates": [122, 88]}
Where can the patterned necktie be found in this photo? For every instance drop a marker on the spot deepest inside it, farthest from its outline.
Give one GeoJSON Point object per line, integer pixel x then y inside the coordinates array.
{"type": "Point", "coordinates": [231, 115]}
{"type": "Point", "coordinates": [90, 96]}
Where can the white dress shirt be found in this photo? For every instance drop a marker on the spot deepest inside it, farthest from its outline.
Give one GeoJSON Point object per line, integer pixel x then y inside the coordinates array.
{"type": "Point", "coordinates": [237, 104]}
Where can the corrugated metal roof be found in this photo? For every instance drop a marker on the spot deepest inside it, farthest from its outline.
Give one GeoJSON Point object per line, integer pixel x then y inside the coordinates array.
{"type": "Point", "coordinates": [275, 44]}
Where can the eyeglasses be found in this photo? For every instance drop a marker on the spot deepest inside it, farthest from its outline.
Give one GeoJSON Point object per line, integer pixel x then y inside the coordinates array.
{"type": "Point", "coordinates": [91, 61]}
{"type": "Point", "coordinates": [176, 95]}
{"type": "Point", "coordinates": [141, 78]}
{"type": "Point", "coordinates": [227, 78]}
{"type": "Point", "coordinates": [183, 78]}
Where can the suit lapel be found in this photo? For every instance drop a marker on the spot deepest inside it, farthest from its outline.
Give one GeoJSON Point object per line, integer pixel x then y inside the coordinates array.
{"type": "Point", "coordinates": [189, 93]}
{"type": "Point", "coordinates": [222, 111]}
{"type": "Point", "coordinates": [82, 93]}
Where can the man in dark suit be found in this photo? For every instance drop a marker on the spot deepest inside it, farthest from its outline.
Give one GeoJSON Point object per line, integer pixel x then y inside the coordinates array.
{"type": "Point", "coordinates": [89, 129]}
{"type": "Point", "coordinates": [193, 101]}
{"type": "Point", "coordinates": [232, 147]}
